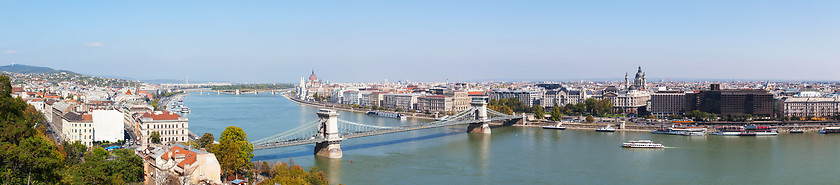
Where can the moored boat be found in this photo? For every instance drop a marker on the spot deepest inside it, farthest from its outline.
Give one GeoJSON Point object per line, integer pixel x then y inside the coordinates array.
{"type": "Point", "coordinates": [642, 144]}
{"type": "Point", "coordinates": [830, 130]}
{"type": "Point", "coordinates": [686, 131]}
{"type": "Point", "coordinates": [559, 126]}
{"type": "Point", "coordinates": [185, 110]}
{"type": "Point", "coordinates": [794, 130]}
{"type": "Point", "coordinates": [751, 130]}
{"type": "Point", "coordinates": [605, 129]}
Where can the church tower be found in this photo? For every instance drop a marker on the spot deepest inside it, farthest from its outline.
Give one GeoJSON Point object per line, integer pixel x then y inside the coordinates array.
{"type": "Point", "coordinates": [639, 82]}
{"type": "Point", "coordinates": [626, 81]}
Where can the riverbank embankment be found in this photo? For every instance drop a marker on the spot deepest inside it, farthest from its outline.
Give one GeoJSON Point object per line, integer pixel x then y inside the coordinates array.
{"type": "Point", "coordinates": [636, 127]}
{"type": "Point", "coordinates": [351, 109]}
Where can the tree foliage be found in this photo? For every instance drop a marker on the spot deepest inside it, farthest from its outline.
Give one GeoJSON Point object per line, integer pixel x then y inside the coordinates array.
{"type": "Point", "coordinates": [555, 113]}
{"type": "Point", "coordinates": [206, 140]}
{"type": "Point", "coordinates": [234, 151]}
{"type": "Point", "coordinates": [154, 137]}
{"type": "Point", "coordinates": [30, 157]}
{"type": "Point", "coordinates": [290, 173]}
{"type": "Point", "coordinates": [590, 119]}
{"type": "Point", "coordinates": [598, 107]}
{"type": "Point", "coordinates": [698, 115]}
{"type": "Point", "coordinates": [98, 169]}
{"type": "Point", "coordinates": [538, 112]}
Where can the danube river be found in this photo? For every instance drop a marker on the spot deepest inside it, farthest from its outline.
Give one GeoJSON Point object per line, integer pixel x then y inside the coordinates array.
{"type": "Point", "coordinates": [520, 155]}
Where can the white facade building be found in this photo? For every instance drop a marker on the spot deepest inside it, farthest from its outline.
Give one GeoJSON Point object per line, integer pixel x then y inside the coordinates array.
{"type": "Point", "coordinates": [108, 125]}
{"type": "Point", "coordinates": [171, 127]}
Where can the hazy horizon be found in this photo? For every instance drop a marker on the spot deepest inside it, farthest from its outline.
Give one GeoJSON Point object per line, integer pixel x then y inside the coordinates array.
{"type": "Point", "coordinates": [369, 41]}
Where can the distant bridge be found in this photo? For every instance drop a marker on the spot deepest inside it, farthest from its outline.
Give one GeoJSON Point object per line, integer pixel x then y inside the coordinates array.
{"type": "Point", "coordinates": [328, 131]}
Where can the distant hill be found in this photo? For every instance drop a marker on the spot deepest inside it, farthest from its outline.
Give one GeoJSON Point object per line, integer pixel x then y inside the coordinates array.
{"type": "Point", "coordinates": [20, 68]}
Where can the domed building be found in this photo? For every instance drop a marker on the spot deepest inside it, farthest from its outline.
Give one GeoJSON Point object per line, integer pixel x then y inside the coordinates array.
{"type": "Point", "coordinates": [307, 90]}
{"type": "Point", "coordinates": [312, 77]}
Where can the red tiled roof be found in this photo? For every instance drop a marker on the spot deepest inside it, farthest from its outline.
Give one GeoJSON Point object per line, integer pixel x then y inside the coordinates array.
{"type": "Point", "coordinates": [475, 92]}
{"type": "Point", "coordinates": [161, 115]}
{"type": "Point", "coordinates": [87, 117]}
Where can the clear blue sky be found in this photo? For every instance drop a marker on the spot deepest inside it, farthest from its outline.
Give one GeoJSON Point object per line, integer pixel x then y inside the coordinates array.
{"type": "Point", "coordinates": [352, 41]}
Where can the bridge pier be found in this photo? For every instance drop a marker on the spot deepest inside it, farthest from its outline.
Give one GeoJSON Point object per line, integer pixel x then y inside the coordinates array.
{"type": "Point", "coordinates": [480, 108]}
{"type": "Point", "coordinates": [330, 147]}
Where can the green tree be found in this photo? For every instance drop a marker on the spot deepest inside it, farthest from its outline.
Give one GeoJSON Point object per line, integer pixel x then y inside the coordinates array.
{"type": "Point", "coordinates": [290, 173]}
{"type": "Point", "coordinates": [35, 160]}
{"type": "Point", "coordinates": [555, 113]}
{"type": "Point", "coordinates": [155, 104]}
{"type": "Point", "coordinates": [73, 152]}
{"type": "Point", "coordinates": [5, 86]}
{"type": "Point", "coordinates": [234, 151]}
{"type": "Point", "coordinates": [205, 140]}
{"type": "Point", "coordinates": [155, 137]}
{"type": "Point", "coordinates": [590, 119]}
{"type": "Point", "coordinates": [580, 108]}
{"type": "Point", "coordinates": [538, 112]}
{"type": "Point", "coordinates": [127, 165]}
{"type": "Point", "coordinates": [674, 116]}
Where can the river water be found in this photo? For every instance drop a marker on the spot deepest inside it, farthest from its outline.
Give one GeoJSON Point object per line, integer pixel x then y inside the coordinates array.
{"type": "Point", "coordinates": [522, 155]}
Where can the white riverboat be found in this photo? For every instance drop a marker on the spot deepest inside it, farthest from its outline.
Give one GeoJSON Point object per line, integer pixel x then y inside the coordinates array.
{"type": "Point", "coordinates": [685, 131]}
{"type": "Point", "coordinates": [559, 126]}
{"type": "Point", "coordinates": [830, 130]}
{"type": "Point", "coordinates": [642, 144]}
{"type": "Point", "coordinates": [605, 129]}
{"type": "Point", "coordinates": [751, 130]}
{"type": "Point", "coordinates": [387, 115]}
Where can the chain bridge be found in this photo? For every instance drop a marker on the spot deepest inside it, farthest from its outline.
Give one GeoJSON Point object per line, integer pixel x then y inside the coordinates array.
{"type": "Point", "coordinates": [328, 131]}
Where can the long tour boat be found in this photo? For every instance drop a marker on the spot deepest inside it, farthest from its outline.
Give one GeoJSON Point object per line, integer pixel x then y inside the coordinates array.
{"type": "Point", "coordinates": [830, 130]}
{"type": "Point", "coordinates": [686, 131]}
{"type": "Point", "coordinates": [751, 130]}
{"type": "Point", "coordinates": [387, 114]}
{"type": "Point", "coordinates": [642, 144]}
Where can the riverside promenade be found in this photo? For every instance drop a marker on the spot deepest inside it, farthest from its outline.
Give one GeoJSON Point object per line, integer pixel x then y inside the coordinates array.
{"type": "Point", "coordinates": [636, 127]}
{"type": "Point", "coordinates": [351, 109]}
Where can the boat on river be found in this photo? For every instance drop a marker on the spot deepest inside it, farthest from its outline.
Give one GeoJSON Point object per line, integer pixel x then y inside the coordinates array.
{"type": "Point", "coordinates": [830, 130]}
{"type": "Point", "coordinates": [605, 129]}
{"type": "Point", "coordinates": [387, 115]}
{"type": "Point", "coordinates": [559, 126]}
{"type": "Point", "coordinates": [795, 130]}
{"type": "Point", "coordinates": [642, 144]}
{"type": "Point", "coordinates": [685, 131]}
{"type": "Point", "coordinates": [751, 130]}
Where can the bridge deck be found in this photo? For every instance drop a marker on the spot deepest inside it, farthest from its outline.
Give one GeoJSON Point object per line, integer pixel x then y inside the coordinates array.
{"type": "Point", "coordinates": [373, 133]}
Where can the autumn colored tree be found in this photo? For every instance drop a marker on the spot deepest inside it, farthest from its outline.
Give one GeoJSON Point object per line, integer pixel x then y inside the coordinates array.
{"type": "Point", "coordinates": [290, 173]}
{"type": "Point", "coordinates": [234, 152]}
{"type": "Point", "coordinates": [539, 111]}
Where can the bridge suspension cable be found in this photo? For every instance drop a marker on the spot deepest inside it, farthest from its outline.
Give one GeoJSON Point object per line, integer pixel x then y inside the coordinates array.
{"type": "Point", "coordinates": [309, 126]}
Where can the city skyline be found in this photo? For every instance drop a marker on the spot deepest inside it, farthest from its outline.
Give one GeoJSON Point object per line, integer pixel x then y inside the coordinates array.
{"type": "Point", "coordinates": [461, 41]}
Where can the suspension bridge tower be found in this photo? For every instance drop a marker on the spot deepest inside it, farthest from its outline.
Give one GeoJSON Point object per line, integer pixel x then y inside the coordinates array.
{"type": "Point", "coordinates": [330, 147]}
{"type": "Point", "coordinates": [479, 105]}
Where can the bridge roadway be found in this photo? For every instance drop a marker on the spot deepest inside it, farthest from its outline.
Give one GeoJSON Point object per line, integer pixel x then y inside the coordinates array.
{"type": "Point", "coordinates": [375, 132]}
